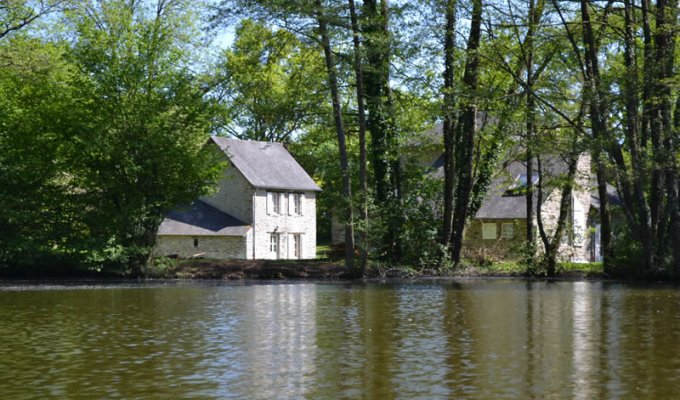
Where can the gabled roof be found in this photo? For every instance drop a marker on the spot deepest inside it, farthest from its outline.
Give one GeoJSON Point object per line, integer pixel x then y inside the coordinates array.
{"type": "Point", "coordinates": [266, 165]}
{"type": "Point", "coordinates": [497, 203]}
{"type": "Point", "coordinates": [201, 219]}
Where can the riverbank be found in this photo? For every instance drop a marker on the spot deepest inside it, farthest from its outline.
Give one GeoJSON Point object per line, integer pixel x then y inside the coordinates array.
{"type": "Point", "coordinates": [329, 269]}
{"type": "Point", "coordinates": [318, 269]}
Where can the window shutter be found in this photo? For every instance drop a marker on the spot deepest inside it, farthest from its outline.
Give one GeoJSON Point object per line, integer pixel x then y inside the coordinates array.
{"type": "Point", "coordinates": [270, 203]}
{"type": "Point", "coordinates": [291, 203]}
{"type": "Point", "coordinates": [302, 202]}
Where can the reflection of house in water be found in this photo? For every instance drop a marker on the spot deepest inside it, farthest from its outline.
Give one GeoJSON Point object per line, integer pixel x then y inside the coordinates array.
{"type": "Point", "coordinates": [585, 337]}
{"type": "Point", "coordinates": [282, 335]}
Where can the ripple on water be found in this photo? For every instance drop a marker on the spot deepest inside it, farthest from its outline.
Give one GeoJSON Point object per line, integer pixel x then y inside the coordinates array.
{"type": "Point", "coordinates": [470, 339]}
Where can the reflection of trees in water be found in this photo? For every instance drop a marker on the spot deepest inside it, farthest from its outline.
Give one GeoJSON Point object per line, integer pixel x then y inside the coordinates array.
{"type": "Point", "coordinates": [356, 339]}
{"type": "Point", "coordinates": [109, 342]}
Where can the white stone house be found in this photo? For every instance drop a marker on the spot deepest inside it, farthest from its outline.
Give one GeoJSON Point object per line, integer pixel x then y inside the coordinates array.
{"type": "Point", "coordinates": [264, 208]}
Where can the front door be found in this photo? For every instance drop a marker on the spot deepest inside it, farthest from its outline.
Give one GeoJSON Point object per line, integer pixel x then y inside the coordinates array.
{"type": "Point", "coordinates": [297, 246]}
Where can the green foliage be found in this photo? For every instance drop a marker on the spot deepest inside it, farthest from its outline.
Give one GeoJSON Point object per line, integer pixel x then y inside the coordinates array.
{"type": "Point", "coordinates": [100, 137]}
{"type": "Point", "coordinates": [271, 84]}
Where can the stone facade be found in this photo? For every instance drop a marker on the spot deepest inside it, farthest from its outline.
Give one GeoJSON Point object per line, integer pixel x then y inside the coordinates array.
{"type": "Point", "coordinates": [285, 224]}
{"type": "Point", "coordinates": [219, 247]}
{"type": "Point", "coordinates": [234, 195]}
{"type": "Point", "coordinates": [501, 246]}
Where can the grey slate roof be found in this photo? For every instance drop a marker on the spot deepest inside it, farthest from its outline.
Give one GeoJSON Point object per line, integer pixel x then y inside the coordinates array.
{"type": "Point", "coordinates": [201, 219]}
{"type": "Point", "coordinates": [266, 165]}
{"type": "Point", "coordinates": [497, 204]}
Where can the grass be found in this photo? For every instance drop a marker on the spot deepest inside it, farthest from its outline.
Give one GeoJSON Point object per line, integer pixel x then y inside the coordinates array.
{"type": "Point", "coordinates": [323, 251]}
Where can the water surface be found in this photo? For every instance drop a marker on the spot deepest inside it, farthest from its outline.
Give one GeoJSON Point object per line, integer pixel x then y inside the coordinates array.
{"type": "Point", "coordinates": [464, 339]}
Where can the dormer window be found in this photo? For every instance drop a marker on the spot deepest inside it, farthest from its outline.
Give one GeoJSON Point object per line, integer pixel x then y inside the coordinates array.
{"type": "Point", "coordinates": [522, 179]}
{"type": "Point", "coordinates": [518, 188]}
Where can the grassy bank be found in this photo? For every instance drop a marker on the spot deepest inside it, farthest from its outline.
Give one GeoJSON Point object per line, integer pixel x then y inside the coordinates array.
{"type": "Point", "coordinates": [334, 269]}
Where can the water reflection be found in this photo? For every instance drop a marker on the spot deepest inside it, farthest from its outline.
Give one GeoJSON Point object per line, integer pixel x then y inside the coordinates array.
{"type": "Point", "coordinates": [468, 339]}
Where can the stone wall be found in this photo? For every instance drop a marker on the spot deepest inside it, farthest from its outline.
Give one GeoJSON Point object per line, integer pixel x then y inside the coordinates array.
{"type": "Point", "coordinates": [285, 224]}
{"type": "Point", "coordinates": [234, 195]}
{"type": "Point", "coordinates": [500, 248]}
{"type": "Point", "coordinates": [218, 247]}
{"type": "Point", "coordinates": [575, 244]}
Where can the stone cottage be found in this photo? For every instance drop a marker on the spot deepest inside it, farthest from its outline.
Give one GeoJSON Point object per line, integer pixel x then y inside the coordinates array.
{"type": "Point", "coordinates": [264, 208]}
{"type": "Point", "coordinates": [499, 226]}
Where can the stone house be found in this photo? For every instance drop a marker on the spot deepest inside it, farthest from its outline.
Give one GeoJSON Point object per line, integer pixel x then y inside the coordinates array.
{"type": "Point", "coordinates": [499, 227]}
{"type": "Point", "coordinates": [264, 208]}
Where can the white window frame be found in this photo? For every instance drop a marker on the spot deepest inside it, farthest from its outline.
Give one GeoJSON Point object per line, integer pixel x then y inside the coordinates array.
{"type": "Point", "coordinates": [276, 203]}
{"type": "Point", "coordinates": [297, 203]}
{"type": "Point", "coordinates": [507, 233]}
{"type": "Point", "coordinates": [486, 231]}
{"type": "Point", "coordinates": [273, 243]}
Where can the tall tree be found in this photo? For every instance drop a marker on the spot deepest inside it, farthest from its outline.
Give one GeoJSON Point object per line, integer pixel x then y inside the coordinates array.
{"type": "Point", "coordinates": [449, 121]}
{"type": "Point", "coordinates": [381, 119]}
{"type": "Point", "coordinates": [363, 157]}
{"type": "Point", "coordinates": [145, 121]}
{"type": "Point", "coordinates": [340, 130]}
{"type": "Point", "coordinates": [270, 84]}
{"type": "Point", "coordinates": [465, 133]}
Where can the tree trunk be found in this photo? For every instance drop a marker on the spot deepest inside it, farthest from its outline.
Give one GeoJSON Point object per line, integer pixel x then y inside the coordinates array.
{"type": "Point", "coordinates": [637, 205]}
{"type": "Point", "coordinates": [530, 111]}
{"type": "Point", "coordinates": [340, 130]}
{"type": "Point", "coordinates": [375, 78]}
{"type": "Point", "coordinates": [465, 132]}
{"type": "Point", "coordinates": [599, 130]}
{"type": "Point", "coordinates": [449, 121]}
{"type": "Point", "coordinates": [552, 243]}
{"type": "Point", "coordinates": [666, 31]}
{"type": "Point", "coordinates": [380, 121]}
{"type": "Point", "coordinates": [363, 176]}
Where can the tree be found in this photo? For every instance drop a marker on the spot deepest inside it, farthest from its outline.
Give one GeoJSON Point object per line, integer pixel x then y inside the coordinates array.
{"type": "Point", "coordinates": [39, 220]}
{"type": "Point", "coordinates": [465, 131]}
{"type": "Point", "coordinates": [340, 130]}
{"type": "Point", "coordinates": [17, 14]}
{"type": "Point", "coordinates": [269, 83]}
{"type": "Point", "coordinates": [145, 121]}
{"type": "Point", "coordinates": [361, 119]}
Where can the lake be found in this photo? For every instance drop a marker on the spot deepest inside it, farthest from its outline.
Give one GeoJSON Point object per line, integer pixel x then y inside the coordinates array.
{"type": "Point", "coordinates": [485, 339]}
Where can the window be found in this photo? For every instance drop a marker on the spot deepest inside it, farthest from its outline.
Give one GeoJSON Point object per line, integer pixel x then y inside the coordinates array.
{"type": "Point", "coordinates": [489, 231]}
{"type": "Point", "coordinates": [508, 230]}
{"type": "Point", "coordinates": [195, 242]}
{"type": "Point", "coordinates": [273, 242]}
{"type": "Point", "coordinates": [297, 203]}
{"type": "Point", "coordinates": [273, 203]}
{"type": "Point", "coordinates": [276, 203]}
{"type": "Point", "coordinates": [522, 180]}
{"type": "Point", "coordinates": [519, 186]}
{"type": "Point", "coordinates": [297, 245]}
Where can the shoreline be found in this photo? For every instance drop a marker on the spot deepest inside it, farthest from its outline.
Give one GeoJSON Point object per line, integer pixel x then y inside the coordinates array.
{"type": "Point", "coordinates": [307, 270]}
